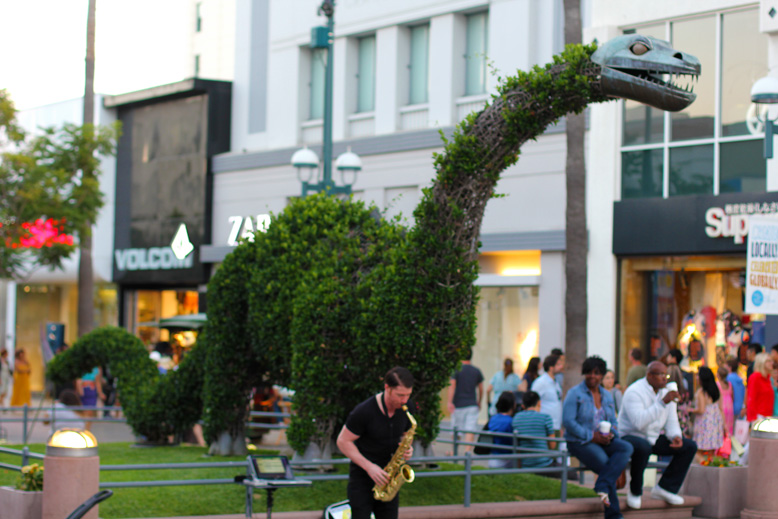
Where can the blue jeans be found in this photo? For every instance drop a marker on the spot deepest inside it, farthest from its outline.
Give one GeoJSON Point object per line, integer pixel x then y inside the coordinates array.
{"type": "Point", "coordinates": [608, 462]}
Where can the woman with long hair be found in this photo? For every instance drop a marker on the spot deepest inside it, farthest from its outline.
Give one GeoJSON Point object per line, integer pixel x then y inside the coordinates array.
{"type": "Point", "coordinates": [533, 372]}
{"type": "Point", "coordinates": [709, 423]}
{"type": "Point", "coordinates": [727, 407]}
{"type": "Point", "coordinates": [609, 383]}
{"type": "Point", "coordinates": [759, 392]}
{"type": "Point", "coordinates": [503, 380]}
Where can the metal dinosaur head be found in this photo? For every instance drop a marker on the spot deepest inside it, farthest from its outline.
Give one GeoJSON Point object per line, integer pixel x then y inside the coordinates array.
{"type": "Point", "coordinates": [647, 70]}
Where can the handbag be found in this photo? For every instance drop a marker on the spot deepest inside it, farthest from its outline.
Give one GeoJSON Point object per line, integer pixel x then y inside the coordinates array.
{"type": "Point", "coordinates": [484, 438]}
{"type": "Point", "coordinates": [726, 448]}
{"type": "Point", "coordinates": [741, 431]}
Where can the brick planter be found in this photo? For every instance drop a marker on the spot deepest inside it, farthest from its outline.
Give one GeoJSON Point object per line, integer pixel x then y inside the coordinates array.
{"type": "Point", "coordinates": [21, 504]}
{"type": "Point", "coordinates": [722, 489]}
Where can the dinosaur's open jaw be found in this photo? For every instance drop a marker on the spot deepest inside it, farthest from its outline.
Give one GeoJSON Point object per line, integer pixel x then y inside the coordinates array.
{"type": "Point", "coordinates": [647, 70]}
{"type": "Point", "coordinates": [678, 82]}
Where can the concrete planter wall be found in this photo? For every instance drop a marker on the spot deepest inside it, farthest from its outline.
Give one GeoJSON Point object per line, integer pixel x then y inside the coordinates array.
{"type": "Point", "coordinates": [21, 504]}
{"type": "Point", "coordinates": [722, 489]}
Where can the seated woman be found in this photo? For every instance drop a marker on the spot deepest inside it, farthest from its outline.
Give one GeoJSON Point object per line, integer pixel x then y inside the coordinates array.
{"type": "Point", "coordinates": [501, 423]}
{"type": "Point", "coordinates": [588, 410]}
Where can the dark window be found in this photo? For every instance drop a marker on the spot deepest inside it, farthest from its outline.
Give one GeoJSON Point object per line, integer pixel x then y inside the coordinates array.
{"type": "Point", "coordinates": [641, 174]}
{"type": "Point", "coordinates": [691, 170]}
{"type": "Point", "coordinates": [742, 167]}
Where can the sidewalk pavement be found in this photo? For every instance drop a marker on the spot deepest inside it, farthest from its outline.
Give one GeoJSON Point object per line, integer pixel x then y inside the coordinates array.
{"type": "Point", "coordinates": [38, 432]}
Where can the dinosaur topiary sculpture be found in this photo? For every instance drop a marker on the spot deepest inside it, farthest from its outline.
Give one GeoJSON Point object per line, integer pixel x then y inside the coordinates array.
{"type": "Point", "coordinates": [332, 295]}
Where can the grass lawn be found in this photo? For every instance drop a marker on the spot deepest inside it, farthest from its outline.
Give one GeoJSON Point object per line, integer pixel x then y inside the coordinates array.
{"type": "Point", "coordinates": [229, 499]}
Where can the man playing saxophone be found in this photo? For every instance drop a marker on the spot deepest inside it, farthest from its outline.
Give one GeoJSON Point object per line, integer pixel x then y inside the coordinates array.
{"type": "Point", "coordinates": [371, 435]}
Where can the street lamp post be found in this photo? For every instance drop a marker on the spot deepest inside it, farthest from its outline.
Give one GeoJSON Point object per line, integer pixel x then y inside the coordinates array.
{"type": "Point", "coordinates": [306, 159]}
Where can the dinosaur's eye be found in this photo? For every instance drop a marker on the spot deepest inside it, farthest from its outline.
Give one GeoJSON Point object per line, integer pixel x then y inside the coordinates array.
{"type": "Point", "coordinates": [639, 48]}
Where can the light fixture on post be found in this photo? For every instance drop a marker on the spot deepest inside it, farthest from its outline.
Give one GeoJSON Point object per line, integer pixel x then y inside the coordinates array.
{"type": "Point", "coordinates": [322, 38]}
{"type": "Point", "coordinates": [305, 161]}
{"type": "Point", "coordinates": [72, 472]}
{"type": "Point", "coordinates": [350, 164]}
{"type": "Point", "coordinates": [765, 92]}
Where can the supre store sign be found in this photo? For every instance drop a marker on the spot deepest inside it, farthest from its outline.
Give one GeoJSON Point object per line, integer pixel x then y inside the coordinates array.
{"type": "Point", "coordinates": [688, 225]}
{"type": "Point", "coordinates": [731, 221]}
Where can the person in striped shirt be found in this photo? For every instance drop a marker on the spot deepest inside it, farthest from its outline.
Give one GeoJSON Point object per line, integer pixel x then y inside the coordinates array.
{"type": "Point", "coordinates": [531, 422]}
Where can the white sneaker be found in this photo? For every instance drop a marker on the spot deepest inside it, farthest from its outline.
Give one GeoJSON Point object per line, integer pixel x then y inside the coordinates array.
{"type": "Point", "coordinates": [660, 493]}
{"type": "Point", "coordinates": [633, 501]}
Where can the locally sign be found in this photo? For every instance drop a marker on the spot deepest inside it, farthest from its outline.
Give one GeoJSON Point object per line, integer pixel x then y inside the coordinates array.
{"type": "Point", "coordinates": [246, 227]}
{"type": "Point", "coordinates": [762, 267]}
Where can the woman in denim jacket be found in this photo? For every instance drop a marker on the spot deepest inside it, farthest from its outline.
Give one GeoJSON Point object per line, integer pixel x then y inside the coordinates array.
{"type": "Point", "coordinates": [586, 406]}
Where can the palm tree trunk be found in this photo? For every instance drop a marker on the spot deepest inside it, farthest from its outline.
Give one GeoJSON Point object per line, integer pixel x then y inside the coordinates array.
{"type": "Point", "coordinates": [575, 224]}
{"type": "Point", "coordinates": [85, 268]}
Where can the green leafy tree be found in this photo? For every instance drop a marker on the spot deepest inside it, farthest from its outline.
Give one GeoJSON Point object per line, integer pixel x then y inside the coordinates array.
{"type": "Point", "coordinates": [43, 186]}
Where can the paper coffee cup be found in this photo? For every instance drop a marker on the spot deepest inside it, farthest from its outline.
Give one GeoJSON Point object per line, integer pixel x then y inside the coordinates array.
{"type": "Point", "coordinates": [605, 428]}
{"type": "Point", "coordinates": [672, 386]}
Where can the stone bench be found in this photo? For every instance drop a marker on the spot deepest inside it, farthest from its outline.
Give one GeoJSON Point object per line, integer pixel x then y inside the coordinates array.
{"type": "Point", "coordinates": [584, 508]}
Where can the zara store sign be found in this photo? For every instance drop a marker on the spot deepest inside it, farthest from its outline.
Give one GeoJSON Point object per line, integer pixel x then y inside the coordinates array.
{"type": "Point", "coordinates": [245, 227]}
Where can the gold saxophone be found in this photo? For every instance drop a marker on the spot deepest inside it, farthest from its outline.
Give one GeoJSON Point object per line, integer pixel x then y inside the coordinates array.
{"type": "Point", "coordinates": [399, 472]}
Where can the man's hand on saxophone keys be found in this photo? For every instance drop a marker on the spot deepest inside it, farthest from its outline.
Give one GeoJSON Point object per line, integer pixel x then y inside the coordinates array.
{"type": "Point", "coordinates": [408, 453]}
{"type": "Point", "coordinates": [377, 474]}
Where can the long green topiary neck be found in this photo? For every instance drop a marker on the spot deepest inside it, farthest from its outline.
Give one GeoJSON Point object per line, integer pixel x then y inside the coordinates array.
{"type": "Point", "coordinates": [485, 144]}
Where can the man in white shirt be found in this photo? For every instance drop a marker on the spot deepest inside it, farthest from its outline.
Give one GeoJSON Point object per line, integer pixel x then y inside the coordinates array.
{"type": "Point", "coordinates": [649, 421]}
{"type": "Point", "coordinates": [549, 390]}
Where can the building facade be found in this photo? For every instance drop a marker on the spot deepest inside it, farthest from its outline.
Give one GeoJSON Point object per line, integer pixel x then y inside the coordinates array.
{"type": "Point", "coordinates": [403, 71]}
{"type": "Point", "coordinates": [670, 194]}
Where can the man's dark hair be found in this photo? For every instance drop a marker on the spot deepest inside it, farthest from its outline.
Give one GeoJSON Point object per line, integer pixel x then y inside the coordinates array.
{"type": "Point", "coordinates": [592, 364]}
{"type": "Point", "coordinates": [636, 354]}
{"type": "Point", "coordinates": [399, 376]}
{"type": "Point", "coordinates": [676, 354]}
{"type": "Point", "coordinates": [558, 352]}
{"type": "Point", "coordinates": [530, 399]}
{"type": "Point", "coordinates": [550, 361]}
{"type": "Point", "coordinates": [506, 403]}
{"type": "Point", "coordinates": [756, 347]}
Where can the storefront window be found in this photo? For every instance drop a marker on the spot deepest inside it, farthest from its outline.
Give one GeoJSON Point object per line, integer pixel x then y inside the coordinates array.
{"type": "Point", "coordinates": [743, 170]}
{"type": "Point", "coordinates": [668, 302]}
{"type": "Point", "coordinates": [642, 173]}
{"type": "Point", "coordinates": [691, 170]}
{"type": "Point", "coordinates": [729, 74]}
{"type": "Point", "coordinates": [743, 61]}
{"type": "Point", "coordinates": [697, 37]}
{"type": "Point", "coordinates": [642, 123]}
{"type": "Point", "coordinates": [508, 322]}
{"type": "Point", "coordinates": [145, 308]}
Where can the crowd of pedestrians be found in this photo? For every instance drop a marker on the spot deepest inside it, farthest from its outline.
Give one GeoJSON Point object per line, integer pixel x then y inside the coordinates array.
{"type": "Point", "coordinates": [662, 409]}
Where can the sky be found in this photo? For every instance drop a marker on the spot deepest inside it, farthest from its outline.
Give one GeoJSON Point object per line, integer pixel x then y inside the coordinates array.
{"type": "Point", "coordinates": [43, 46]}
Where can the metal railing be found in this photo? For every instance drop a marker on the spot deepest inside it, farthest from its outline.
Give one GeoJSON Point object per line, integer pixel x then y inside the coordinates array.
{"type": "Point", "coordinates": [514, 453]}
{"type": "Point", "coordinates": [31, 415]}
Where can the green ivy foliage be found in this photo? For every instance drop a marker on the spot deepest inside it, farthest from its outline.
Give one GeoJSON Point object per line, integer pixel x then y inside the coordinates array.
{"type": "Point", "coordinates": [145, 395]}
{"type": "Point", "coordinates": [332, 295]}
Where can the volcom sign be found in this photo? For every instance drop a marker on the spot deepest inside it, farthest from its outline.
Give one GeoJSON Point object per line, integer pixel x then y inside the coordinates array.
{"type": "Point", "coordinates": [154, 258]}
